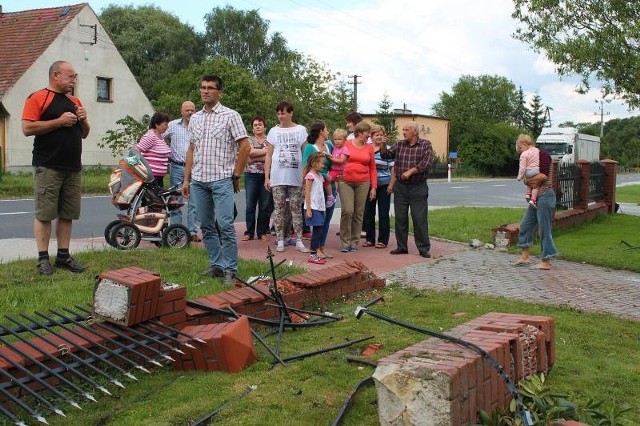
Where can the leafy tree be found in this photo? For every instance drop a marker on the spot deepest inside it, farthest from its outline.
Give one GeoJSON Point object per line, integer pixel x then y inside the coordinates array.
{"type": "Point", "coordinates": [242, 37]}
{"type": "Point", "coordinates": [589, 38]}
{"type": "Point", "coordinates": [242, 91]}
{"type": "Point", "coordinates": [492, 150]}
{"type": "Point", "coordinates": [386, 118]}
{"type": "Point", "coordinates": [521, 114]}
{"type": "Point", "coordinates": [312, 89]}
{"type": "Point", "coordinates": [537, 119]}
{"type": "Point", "coordinates": [123, 138]}
{"type": "Point", "coordinates": [153, 43]}
{"type": "Point", "coordinates": [621, 141]}
{"type": "Point", "coordinates": [341, 102]}
{"type": "Point", "coordinates": [476, 102]}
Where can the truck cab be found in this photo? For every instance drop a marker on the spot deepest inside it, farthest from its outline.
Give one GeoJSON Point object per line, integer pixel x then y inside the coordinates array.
{"type": "Point", "coordinates": [567, 146]}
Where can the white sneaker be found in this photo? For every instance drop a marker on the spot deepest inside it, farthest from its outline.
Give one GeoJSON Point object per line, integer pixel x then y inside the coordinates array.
{"type": "Point", "coordinates": [280, 246]}
{"type": "Point", "coordinates": [300, 247]}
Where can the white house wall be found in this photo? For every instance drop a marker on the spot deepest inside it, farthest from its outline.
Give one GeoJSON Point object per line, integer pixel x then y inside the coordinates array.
{"type": "Point", "coordinates": [90, 61]}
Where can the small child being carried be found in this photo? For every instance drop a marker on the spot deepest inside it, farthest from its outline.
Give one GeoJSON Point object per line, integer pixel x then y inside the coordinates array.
{"type": "Point", "coordinates": [339, 156]}
{"type": "Point", "coordinates": [529, 167]}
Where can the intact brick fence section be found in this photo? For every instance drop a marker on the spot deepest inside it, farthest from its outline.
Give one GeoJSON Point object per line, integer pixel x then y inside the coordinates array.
{"type": "Point", "coordinates": [435, 382]}
{"type": "Point", "coordinates": [506, 235]}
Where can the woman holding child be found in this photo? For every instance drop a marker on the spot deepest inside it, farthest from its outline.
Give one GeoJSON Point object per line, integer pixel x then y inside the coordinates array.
{"type": "Point", "coordinates": [317, 141]}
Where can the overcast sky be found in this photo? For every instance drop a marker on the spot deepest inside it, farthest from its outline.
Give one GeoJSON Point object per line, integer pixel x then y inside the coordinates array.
{"type": "Point", "coordinates": [410, 50]}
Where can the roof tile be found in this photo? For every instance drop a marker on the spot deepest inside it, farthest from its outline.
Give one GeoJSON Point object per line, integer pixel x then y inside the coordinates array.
{"type": "Point", "coordinates": [25, 35]}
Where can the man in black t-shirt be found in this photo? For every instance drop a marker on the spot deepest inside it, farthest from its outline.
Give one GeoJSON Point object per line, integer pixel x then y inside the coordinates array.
{"type": "Point", "coordinates": [58, 121]}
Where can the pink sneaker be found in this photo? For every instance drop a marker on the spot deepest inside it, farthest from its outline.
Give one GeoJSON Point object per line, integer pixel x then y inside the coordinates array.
{"type": "Point", "coordinates": [314, 258]}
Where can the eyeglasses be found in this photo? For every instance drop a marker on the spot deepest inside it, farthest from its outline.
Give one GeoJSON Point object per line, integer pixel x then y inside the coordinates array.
{"type": "Point", "coordinates": [69, 76]}
{"type": "Point", "coordinates": [208, 88]}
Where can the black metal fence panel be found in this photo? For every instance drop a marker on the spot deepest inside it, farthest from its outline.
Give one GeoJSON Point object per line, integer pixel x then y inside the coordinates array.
{"type": "Point", "coordinates": [569, 187]}
{"type": "Point", "coordinates": [596, 182]}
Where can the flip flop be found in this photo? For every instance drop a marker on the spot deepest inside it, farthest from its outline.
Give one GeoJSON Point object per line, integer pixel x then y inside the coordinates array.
{"type": "Point", "coordinates": [381, 245]}
{"type": "Point", "coordinates": [541, 267]}
{"type": "Point", "coordinates": [367, 244]}
{"type": "Point", "coordinates": [246, 238]}
{"type": "Point", "coordinates": [521, 263]}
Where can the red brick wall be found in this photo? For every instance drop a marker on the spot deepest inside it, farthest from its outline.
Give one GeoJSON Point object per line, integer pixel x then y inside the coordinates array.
{"type": "Point", "coordinates": [522, 344]}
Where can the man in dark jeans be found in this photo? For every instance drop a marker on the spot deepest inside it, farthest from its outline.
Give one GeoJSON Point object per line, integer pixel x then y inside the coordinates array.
{"type": "Point", "coordinates": [413, 157]}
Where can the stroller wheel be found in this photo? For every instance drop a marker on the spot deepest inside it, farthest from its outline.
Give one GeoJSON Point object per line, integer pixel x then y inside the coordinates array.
{"type": "Point", "coordinates": [125, 236]}
{"type": "Point", "coordinates": [108, 232]}
{"type": "Point", "coordinates": [176, 236]}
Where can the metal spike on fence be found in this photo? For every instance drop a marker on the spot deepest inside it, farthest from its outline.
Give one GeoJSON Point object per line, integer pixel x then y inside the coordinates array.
{"type": "Point", "coordinates": [27, 389]}
{"type": "Point", "coordinates": [144, 336]}
{"type": "Point", "coordinates": [115, 330]}
{"type": "Point", "coordinates": [174, 330]}
{"type": "Point", "coordinates": [96, 344]}
{"type": "Point", "coordinates": [169, 337]}
{"type": "Point", "coordinates": [28, 373]}
{"type": "Point", "coordinates": [60, 377]}
{"type": "Point", "coordinates": [74, 356]}
{"type": "Point", "coordinates": [103, 336]}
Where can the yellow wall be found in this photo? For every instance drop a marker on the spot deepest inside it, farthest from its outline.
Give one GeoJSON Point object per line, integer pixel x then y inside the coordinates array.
{"type": "Point", "coordinates": [434, 129]}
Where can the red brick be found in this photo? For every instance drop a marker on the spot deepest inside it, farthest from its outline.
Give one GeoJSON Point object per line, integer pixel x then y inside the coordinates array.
{"type": "Point", "coordinates": [173, 319]}
{"type": "Point", "coordinates": [173, 293]}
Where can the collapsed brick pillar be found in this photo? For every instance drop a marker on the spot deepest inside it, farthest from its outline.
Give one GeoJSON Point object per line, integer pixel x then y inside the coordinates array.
{"type": "Point", "coordinates": [127, 296]}
{"type": "Point", "coordinates": [228, 347]}
{"type": "Point", "coordinates": [437, 382]}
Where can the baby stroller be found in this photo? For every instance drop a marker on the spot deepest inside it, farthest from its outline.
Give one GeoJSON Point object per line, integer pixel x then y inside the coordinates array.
{"type": "Point", "coordinates": [146, 208]}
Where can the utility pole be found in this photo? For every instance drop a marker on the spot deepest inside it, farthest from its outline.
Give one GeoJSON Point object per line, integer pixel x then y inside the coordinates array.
{"type": "Point", "coordinates": [601, 102]}
{"type": "Point", "coordinates": [355, 90]}
{"type": "Point", "coordinates": [547, 117]}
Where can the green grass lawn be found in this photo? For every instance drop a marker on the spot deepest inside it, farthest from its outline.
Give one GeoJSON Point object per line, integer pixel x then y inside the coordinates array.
{"type": "Point", "coordinates": [597, 355]}
{"type": "Point", "coordinates": [628, 194]}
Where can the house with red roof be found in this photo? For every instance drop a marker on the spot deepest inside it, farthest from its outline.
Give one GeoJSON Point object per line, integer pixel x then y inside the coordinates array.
{"type": "Point", "coordinates": [32, 40]}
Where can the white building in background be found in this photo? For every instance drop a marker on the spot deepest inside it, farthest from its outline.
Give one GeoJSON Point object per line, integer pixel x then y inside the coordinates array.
{"type": "Point", "coordinates": [30, 41]}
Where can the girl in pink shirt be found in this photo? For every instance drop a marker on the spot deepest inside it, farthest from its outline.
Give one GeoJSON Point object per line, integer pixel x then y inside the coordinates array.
{"type": "Point", "coordinates": [529, 167]}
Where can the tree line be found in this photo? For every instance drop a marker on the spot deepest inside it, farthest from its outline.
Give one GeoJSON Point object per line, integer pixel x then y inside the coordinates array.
{"type": "Point", "coordinates": [168, 58]}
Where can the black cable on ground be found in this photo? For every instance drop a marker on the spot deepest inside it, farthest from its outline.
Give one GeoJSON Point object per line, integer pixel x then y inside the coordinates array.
{"type": "Point", "coordinates": [347, 402]}
{"type": "Point", "coordinates": [520, 407]}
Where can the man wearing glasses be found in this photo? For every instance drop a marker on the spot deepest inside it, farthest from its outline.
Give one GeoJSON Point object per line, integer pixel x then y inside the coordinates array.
{"type": "Point", "coordinates": [58, 121]}
{"type": "Point", "coordinates": [216, 158]}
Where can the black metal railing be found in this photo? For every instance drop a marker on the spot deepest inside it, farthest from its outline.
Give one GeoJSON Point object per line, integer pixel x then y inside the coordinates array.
{"type": "Point", "coordinates": [438, 171]}
{"type": "Point", "coordinates": [596, 182]}
{"type": "Point", "coordinates": [569, 186]}
{"type": "Point", "coordinates": [569, 181]}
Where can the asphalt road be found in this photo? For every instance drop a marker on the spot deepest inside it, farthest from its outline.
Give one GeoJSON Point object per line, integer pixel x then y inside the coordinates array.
{"type": "Point", "coordinates": [16, 216]}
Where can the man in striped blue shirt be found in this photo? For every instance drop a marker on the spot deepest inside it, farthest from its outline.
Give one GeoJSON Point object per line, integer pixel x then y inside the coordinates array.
{"type": "Point", "coordinates": [177, 135]}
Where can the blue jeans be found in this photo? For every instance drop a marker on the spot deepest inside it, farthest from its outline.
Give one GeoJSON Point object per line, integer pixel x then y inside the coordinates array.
{"type": "Point", "coordinates": [327, 218]}
{"type": "Point", "coordinates": [215, 204]}
{"type": "Point", "coordinates": [176, 176]}
{"type": "Point", "coordinates": [257, 194]}
{"type": "Point", "coordinates": [383, 201]}
{"type": "Point", "coordinates": [543, 218]}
